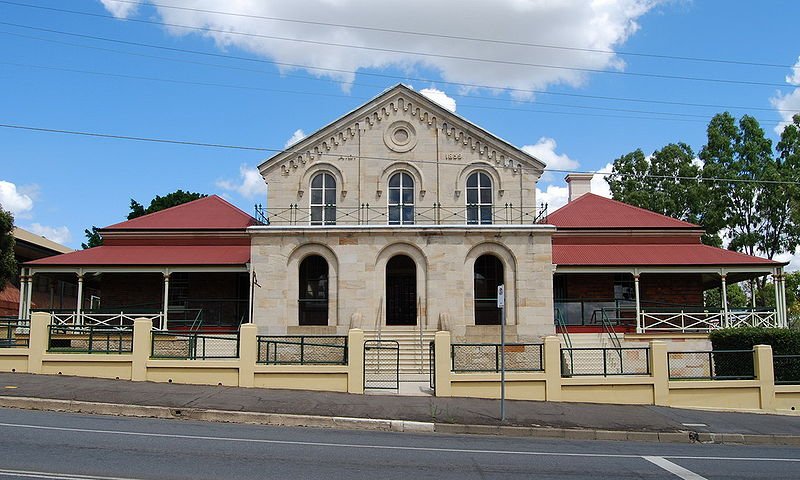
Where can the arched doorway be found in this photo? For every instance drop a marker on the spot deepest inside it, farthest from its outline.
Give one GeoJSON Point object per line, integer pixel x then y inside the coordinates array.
{"type": "Point", "coordinates": [401, 291]}
{"type": "Point", "coordinates": [313, 294]}
{"type": "Point", "coordinates": [488, 275]}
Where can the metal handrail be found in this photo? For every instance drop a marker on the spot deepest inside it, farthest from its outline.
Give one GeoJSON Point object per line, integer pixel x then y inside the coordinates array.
{"type": "Point", "coordinates": [366, 214]}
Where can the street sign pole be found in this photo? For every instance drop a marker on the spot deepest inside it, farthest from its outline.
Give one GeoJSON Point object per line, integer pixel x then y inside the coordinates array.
{"type": "Point", "coordinates": [501, 304]}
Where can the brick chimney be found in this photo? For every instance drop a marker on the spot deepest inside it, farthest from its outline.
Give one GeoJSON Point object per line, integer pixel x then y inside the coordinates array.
{"type": "Point", "coordinates": [579, 183]}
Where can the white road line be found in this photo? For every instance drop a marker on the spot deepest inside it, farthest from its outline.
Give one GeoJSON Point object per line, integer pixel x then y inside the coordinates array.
{"type": "Point", "coordinates": [674, 469]}
{"type": "Point", "coordinates": [55, 476]}
{"type": "Point", "coordinates": [375, 447]}
{"type": "Point", "coordinates": [694, 425]}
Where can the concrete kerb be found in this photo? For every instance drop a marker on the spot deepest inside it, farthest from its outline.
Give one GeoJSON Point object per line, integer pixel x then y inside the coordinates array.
{"type": "Point", "coordinates": [386, 425]}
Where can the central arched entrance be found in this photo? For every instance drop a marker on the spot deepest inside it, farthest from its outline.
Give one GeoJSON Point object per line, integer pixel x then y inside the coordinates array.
{"type": "Point", "coordinates": [401, 291]}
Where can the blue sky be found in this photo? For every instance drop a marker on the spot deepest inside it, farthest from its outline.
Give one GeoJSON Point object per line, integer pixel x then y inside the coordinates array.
{"type": "Point", "coordinates": [60, 184]}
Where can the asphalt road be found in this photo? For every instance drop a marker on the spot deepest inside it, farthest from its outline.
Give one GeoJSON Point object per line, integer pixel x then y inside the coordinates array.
{"type": "Point", "coordinates": [66, 446]}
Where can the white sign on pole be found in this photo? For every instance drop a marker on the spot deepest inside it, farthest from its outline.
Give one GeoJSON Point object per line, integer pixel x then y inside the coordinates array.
{"type": "Point", "coordinates": [501, 296]}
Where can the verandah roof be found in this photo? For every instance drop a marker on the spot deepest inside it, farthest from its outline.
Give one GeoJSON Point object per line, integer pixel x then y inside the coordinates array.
{"type": "Point", "coordinates": [654, 255]}
{"type": "Point", "coordinates": [125, 255]}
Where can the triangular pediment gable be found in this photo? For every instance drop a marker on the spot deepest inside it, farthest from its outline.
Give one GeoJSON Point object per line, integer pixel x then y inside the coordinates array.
{"type": "Point", "coordinates": [322, 144]}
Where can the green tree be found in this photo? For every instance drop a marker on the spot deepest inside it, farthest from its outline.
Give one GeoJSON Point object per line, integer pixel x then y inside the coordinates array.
{"type": "Point", "coordinates": [178, 197]}
{"type": "Point", "coordinates": [173, 199]}
{"type": "Point", "coordinates": [737, 298]}
{"type": "Point", "coordinates": [667, 183]}
{"type": "Point", "coordinates": [93, 238]}
{"type": "Point", "coordinates": [753, 205]}
{"type": "Point", "coordinates": [8, 263]}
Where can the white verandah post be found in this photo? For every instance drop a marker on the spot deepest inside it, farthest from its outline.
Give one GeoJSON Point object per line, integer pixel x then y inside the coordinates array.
{"type": "Point", "coordinates": [23, 279]}
{"type": "Point", "coordinates": [28, 295]}
{"type": "Point", "coordinates": [79, 304]}
{"type": "Point", "coordinates": [165, 308]}
{"type": "Point", "coordinates": [639, 323]}
{"type": "Point", "coordinates": [724, 300]}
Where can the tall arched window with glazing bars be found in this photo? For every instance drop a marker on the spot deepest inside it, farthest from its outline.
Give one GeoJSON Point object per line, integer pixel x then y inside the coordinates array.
{"type": "Point", "coordinates": [401, 199]}
{"type": "Point", "coordinates": [322, 200]}
{"type": "Point", "coordinates": [479, 199]}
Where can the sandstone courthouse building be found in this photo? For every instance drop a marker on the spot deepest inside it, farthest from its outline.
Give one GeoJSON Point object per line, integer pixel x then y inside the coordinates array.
{"type": "Point", "coordinates": [401, 217]}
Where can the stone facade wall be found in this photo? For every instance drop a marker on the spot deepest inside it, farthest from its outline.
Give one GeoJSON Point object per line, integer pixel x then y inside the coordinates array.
{"type": "Point", "coordinates": [445, 260]}
{"type": "Point", "coordinates": [441, 152]}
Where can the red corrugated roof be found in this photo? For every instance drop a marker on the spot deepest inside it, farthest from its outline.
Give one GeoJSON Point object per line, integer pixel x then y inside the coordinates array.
{"type": "Point", "coordinates": [207, 213]}
{"type": "Point", "coordinates": [634, 255]}
{"type": "Point", "coordinates": [152, 255]}
{"type": "Point", "coordinates": [593, 211]}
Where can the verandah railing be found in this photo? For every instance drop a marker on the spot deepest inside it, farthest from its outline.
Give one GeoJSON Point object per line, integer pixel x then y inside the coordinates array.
{"type": "Point", "coordinates": [655, 317]}
{"type": "Point", "coordinates": [121, 320]}
{"type": "Point", "coordinates": [366, 214]}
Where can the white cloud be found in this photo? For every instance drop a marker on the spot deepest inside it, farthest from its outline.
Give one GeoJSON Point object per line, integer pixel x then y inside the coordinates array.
{"type": "Point", "coordinates": [56, 234]}
{"type": "Point", "coordinates": [789, 103]}
{"type": "Point", "coordinates": [17, 200]}
{"type": "Point", "coordinates": [554, 196]}
{"type": "Point", "coordinates": [599, 185]}
{"type": "Point", "coordinates": [250, 184]}
{"type": "Point", "coordinates": [545, 150]}
{"type": "Point", "coordinates": [296, 137]}
{"type": "Point", "coordinates": [440, 97]}
{"type": "Point", "coordinates": [121, 9]}
{"type": "Point", "coordinates": [600, 24]}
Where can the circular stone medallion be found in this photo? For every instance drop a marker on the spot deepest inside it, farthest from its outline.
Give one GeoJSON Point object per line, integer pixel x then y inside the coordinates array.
{"type": "Point", "coordinates": [400, 137]}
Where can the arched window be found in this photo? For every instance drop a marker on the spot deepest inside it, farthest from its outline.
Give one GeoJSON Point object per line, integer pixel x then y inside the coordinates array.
{"type": "Point", "coordinates": [401, 291]}
{"type": "Point", "coordinates": [401, 199]}
{"type": "Point", "coordinates": [488, 275]}
{"type": "Point", "coordinates": [313, 294]}
{"type": "Point", "coordinates": [479, 199]}
{"type": "Point", "coordinates": [323, 199]}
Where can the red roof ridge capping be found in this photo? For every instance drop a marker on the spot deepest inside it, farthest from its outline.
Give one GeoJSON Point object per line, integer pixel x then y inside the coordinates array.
{"type": "Point", "coordinates": [660, 254]}
{"type": "Point", "coordinates": [206, 213]}
{"type": "Point", "coordinates": [594, 211]}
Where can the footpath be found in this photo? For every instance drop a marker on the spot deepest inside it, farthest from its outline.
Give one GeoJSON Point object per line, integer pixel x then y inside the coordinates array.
{"type": "Point", "coordinates": [392, 412]}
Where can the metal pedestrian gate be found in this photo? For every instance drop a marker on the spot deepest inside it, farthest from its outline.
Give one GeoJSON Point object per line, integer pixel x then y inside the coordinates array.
{"type": "Point", "coordinates": [381, 365]}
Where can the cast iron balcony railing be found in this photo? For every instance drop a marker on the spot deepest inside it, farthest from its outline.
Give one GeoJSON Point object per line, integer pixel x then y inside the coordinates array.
{"type": "Point", "coordinates": [436, 214]}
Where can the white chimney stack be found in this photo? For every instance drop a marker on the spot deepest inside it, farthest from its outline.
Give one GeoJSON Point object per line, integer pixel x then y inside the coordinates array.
{"type": "Point", "coordinates": [579, 184]}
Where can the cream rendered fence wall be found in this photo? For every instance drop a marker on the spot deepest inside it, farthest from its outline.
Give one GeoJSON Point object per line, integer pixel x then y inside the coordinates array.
{"type": "Point", "coordinates": [760, 394]}
{"type": "Point", "coordinates": [138, 366]}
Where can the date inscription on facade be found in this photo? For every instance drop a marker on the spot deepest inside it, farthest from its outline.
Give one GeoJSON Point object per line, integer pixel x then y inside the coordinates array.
{"type": "Point", "coordinates": [452, 156]}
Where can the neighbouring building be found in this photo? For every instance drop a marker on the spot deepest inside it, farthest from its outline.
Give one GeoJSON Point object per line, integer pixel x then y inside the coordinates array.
{"type": "Point", "coordinates": [46, 291]}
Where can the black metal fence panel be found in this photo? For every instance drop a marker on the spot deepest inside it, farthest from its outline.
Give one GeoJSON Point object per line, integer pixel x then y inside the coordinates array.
{"type": "Point", "coordinates": [302, 350]}
{"type": "Point", "coordinates": [193, 346]}
{"type": "Point", "coordinates": [14, 332]}
{"type": "Point", "coordinates": [381, 364]}
{"type": "Point", "coordinates": [787, 369]}
{"type": "Point", "coordinates": [605, 361]}
{"type": "Point", "coordinates": [89, 339]}
{"type": "Point", "coordinates": [485, 357]}
{"type": "Point", "coordinates": [711, 365]}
